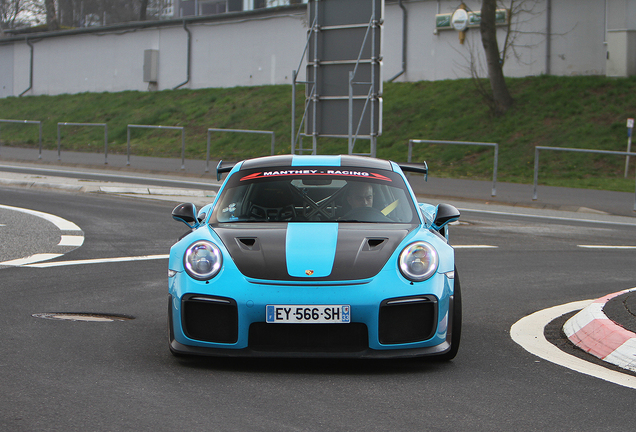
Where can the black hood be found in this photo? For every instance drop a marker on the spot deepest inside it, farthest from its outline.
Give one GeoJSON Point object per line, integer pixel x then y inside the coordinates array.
{"type": "Point", "coordinates": [354, 251]}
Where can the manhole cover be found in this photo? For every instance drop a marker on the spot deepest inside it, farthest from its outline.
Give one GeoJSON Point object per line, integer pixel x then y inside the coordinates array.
{"type": "Point", "coordinates": [89, 317]}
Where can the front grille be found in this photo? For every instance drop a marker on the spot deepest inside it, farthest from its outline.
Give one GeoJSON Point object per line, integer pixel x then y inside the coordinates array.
{"type": "Point", "coordinates": [210, 319]}
{"type": "Point", "coordinates": [409, 319]}
{"type": "Point", "coordinates": [352, 337]}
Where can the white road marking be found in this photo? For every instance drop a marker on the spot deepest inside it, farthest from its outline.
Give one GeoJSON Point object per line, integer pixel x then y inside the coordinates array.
{"type": "Point", "coordinates": [71, 240]}
{"type": "Point", "coordinates": [97, 261]}
{"type": "Point", "coordinates": [30, 259]}
{"type": "Point", "coordinates": [528, 332]}
{"type": "Point", "coordinates": [605, 247]}
{"type": "Point", "coordinates": [66, 240]}
{"type": "Point", "coordinates": [559, 218]}
{"type": "Point", "coordinates": [111, 177]}
{"type": "Point", "coordinates": [62, 224]}
{"type": "Point", "coordinates": [474, 247]}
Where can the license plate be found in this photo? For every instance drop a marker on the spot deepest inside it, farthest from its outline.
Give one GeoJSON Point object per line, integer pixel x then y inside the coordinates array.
{"type": "Point", "coordinates": [309, 314]}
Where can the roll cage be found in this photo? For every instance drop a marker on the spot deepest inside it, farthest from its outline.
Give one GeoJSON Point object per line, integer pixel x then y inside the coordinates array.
{"type": "Point", "coordinates": [311, 199]}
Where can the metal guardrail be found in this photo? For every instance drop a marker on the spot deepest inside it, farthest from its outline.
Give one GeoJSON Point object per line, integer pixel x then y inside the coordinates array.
{"type": "Point", "coordinates": [495, 145]}
{"type": "Point", "coordinates": [59, 139]}
{"type": "Point", "coordinates": [134, 126]}
{"type": "Point", "coordinates": [210, 130]}
{"type": "Point", "coordinates": [573, 150]}
{"type": "Point", "coordinates": [39, 123]}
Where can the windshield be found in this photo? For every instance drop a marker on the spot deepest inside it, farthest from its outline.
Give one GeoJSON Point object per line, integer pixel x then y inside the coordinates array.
{"type": "Point", "coordinates": [315, 194]}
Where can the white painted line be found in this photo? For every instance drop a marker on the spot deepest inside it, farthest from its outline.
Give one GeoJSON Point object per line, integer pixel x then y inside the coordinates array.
{"type": "Point", "coordinates": [97, 261]}
{"type": "Point", "coordinates": [474, 247]}
{"type": "Point", "coordinates": [180, 192]}
{"type": "Point", "coordinates": [30, 259]}
{"type": "Point", "coordinates": [528, 332]}
{"type": "Point", "coordinates": [71, 240]}
{"type": "Point", "coordinates": [124, 190]}
{"type": "Point", "coordinates": [111, 177]}
{"type": "Point", "coordinates": [62, 224]}
{"type": "Point", "coordinates": [606, 247]}
{"type": "Point", "coordinates": [559, 218]}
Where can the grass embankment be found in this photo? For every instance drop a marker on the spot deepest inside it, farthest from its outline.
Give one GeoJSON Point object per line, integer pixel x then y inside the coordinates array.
{"type": "Point", "coordinates": [579, 112]}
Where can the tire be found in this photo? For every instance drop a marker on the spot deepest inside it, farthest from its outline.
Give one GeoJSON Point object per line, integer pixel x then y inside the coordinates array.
{"type": "Point", "coordinates": [456, 321]}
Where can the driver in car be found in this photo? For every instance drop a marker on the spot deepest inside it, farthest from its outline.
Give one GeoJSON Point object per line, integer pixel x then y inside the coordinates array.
{"type": "Point", "coordinates": [360, 195]}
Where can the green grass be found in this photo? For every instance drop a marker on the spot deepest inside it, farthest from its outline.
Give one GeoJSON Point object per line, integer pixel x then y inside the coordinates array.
{"type": "Point", "coordinates": [580, 112]}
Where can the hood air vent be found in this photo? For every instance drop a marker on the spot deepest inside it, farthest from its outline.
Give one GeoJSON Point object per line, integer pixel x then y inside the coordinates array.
{"type": "Point", "coordinates": [247, 243]}
{"type": "Point", "coordinates": [375, 243]}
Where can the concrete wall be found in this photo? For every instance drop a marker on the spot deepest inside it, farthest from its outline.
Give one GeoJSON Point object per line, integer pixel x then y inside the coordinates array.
{"type": "Point", "coordinates": [6, 71]}
{"type": "Point", "coordinates": [621, 39]}
{"type": "Point", "coordinates": [263, 47]}
{"type": "Point", "coordinates": [576, 42]}
{"type": "Point", "coordinates": [224, 54]}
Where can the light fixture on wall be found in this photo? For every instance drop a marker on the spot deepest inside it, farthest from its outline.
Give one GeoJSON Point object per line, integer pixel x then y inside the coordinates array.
{"type": "Point", "coordinates": [459, 21]}
{"type": "Point", "coordinates": [462, 19]}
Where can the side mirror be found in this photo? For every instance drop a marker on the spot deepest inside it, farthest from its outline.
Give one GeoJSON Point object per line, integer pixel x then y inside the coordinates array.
{"type": "Point", "coordinates": [444, 215]}
{"type": "Point", "coordinates": [186, 213]}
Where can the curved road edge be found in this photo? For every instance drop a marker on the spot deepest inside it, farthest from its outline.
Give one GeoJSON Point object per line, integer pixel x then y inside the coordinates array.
{"type": "Point", "coordinates": [73, 240]}
{"type": "Point", "coordinates": [528, 332]}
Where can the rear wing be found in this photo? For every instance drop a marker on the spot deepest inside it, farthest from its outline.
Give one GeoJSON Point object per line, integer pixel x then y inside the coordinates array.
{"type": "Point", "coordinates": [223, 168]}
{"type": "Point", "coordinates": [420, 168]}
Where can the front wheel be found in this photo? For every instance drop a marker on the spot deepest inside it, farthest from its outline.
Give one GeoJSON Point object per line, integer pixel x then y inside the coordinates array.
{"type": "Point", "coordinates": [455, 320]}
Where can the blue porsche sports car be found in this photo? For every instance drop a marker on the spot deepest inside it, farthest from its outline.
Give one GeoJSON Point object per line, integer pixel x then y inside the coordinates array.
{"type": "Point", "coordinates": [315, 256]}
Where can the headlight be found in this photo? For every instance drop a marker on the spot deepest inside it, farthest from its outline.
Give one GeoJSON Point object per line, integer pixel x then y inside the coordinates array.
{"type": "Point", "coordinates": [418, 261]}
{"type": "Point", "coordinates": [202, 260]}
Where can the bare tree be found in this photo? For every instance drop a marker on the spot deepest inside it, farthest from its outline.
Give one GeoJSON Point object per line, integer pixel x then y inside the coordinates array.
{"type": "Point", "coordinates": [9, 11]}
{"type": "Point", "coordinates": [518, 38]}
{"type": "Point", "coordinates": [18, 13]}
{"type": "Point", "coordinates": [501, 98]}
{"type": "Point", "coordinates": [143, 8]}
{"type": "Point", "coordinates": [85, 13]}
{"type": "Point", "coordinates": [51, 16]}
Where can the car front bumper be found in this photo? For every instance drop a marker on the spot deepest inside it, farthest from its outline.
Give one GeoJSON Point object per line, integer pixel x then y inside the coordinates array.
{"type": "Point", "coordinates": [390, 318]}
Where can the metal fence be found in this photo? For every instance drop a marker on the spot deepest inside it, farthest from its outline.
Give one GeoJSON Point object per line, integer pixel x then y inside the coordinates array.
{"type": "Point", "coordinates": [134, 126]}
{"type": "Point", "coordinates": [495, 145]}
{"type": "Point", "coordinates": [210, 130]}
{"type": "Point", "coordinates": [573, 150]}
{"type": "Point", "coordinates": [39, 123]}
{"type": "Point", "coordinates": [59, 137]}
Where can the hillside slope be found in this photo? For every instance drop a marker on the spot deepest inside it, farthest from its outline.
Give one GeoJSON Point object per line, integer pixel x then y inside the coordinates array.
{"type": "Point", "coordinates": [581, 112]}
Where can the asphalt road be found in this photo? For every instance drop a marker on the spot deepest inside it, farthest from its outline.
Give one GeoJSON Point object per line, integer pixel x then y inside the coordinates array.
{"type": "Point", "coordinates": [116, 376]}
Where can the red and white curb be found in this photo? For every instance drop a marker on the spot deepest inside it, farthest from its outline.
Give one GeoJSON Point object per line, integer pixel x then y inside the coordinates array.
{"type": "Point", "coordinates": [593, 332]}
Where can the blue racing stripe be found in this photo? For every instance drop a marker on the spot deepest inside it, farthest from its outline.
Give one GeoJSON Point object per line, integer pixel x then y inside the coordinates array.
{"type": "Point", "coordinates": [311, 249]}
{"type": "Point", "coordinates": [307, 160]}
